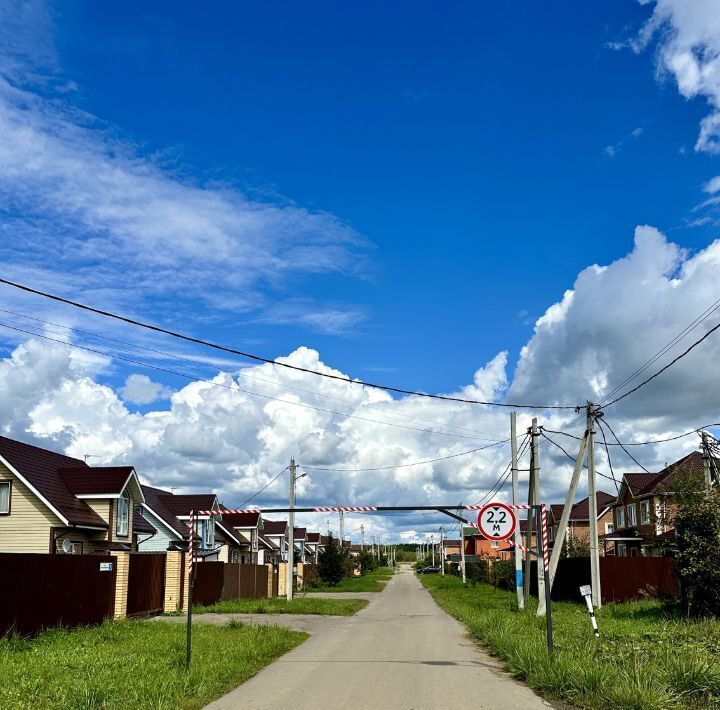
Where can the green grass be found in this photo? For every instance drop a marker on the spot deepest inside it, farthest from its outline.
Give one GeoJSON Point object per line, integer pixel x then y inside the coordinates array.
{"type": "Point", "coordinates": [646, 658]}
{"type": "Point", "coordinates": [138, 665]}
{"type": "Point", "coordinates": [276, 605]}
{"type": "Point", "coordinates": [370, 582]}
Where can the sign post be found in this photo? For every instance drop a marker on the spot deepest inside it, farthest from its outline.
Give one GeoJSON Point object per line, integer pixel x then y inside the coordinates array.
{"type": "Point", "coordinates": [586, 592]}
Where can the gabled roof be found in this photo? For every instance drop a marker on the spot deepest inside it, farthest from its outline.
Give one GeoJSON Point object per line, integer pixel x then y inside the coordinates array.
{"type": "Point", "coordinates": [185, 504]}
{"type": "Point", "coordinates": [155, 500]}
{"type": "Point", "coordinates": [274, 527]}
{"type": "Point", "coordinates": [268, 543]}
{"type": "Point", "coordinates": [312, 537]}
{"type": "Point", "coordinates": [451, 543]}
{"type": "Point", "coordinates": [90, 481]}
{"type": "Point", "coordinates": [643, 484]}
{"type": "Point", "coordinates": [299, 533]}
{"type": "Point", "coordinates": [241, 520]}
{"type": "Point", "coordinates": [228, 534]}
{"type": "Point", "coordinates": [581, 509]}
{"type": "Point", "coordinates": [39, 470]}
{"type": "Point", "coordinates": [142, 526]}
{"type": "Point", "coordinates": [637, 481]}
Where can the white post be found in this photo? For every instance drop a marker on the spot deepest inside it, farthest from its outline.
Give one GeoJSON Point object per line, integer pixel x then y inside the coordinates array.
{"type": "Point", "coordinates": [442, 551]}
{"type": "Point", "coordinates": [362, 537]}
{"type": "Point", "coordinates": [291, 533]}
{"type": "Point", "coordinates": [516, 501]}
{"type": "Point", "coordinates": [342, 527]}
{"type": "Point", "coordinates": [529, 529]}
{"type": "Point", "coordinates": [538, 532]}
{"type": "Point", "coordinates": [706, 461]}
{"type": "Point", "coordinates": [462, 551]}
{"type": "Point", "coordinates": [592, 500]}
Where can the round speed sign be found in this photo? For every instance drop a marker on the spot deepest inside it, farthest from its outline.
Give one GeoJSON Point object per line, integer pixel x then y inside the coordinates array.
{"type": "Point", "coordinates": [497, 521]}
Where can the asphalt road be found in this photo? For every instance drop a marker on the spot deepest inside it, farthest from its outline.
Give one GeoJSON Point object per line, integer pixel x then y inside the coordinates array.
{"type": "Point", "coordinates": [401, 652]}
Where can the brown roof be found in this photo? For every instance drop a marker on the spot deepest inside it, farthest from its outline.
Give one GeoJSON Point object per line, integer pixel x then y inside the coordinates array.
{"type": "Point", "coordinates": [581, 509]}
{"type": "Point", "coordinates": [87, 480]}
{"type": "Point", "coordinates": [155, 500]}
{"type": "Point", "coordinates": [40, 468]}
{"type": "Point", "coordinates": [227, 534]}
{"type": "Point", "coordinates": [313, 537]}
{"type": "Point", "coordinates": [637, 481]}
{"type": "Point", "coordinates": [274, 527]}
{"type": "Point", "coordinates": [184, 504]}
{"type": "Point", "coordinates": [663, 481]}
{"type": "Point", "coordinates": [142, 526]}
{"type": "Point", "coordinates": [299, 533]}
{"type": "Point", "coordinates": [241, 520]}
{"type": "Point", "coordinates": [451, 543]}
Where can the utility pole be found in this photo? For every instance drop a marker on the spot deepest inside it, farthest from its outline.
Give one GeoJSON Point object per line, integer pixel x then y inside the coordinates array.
{"type": "Point", "coordinates": [462, 551]}
{"type": "Point", "coordinates": [291, 533]}
{"type": "Point", "coordinates": [442, 551]}
{"type": "Point", "coordinates": [516, 501]}
{"type": "Point", "coordinates": [706, 461]}
{"type": "Point", "coordinates": [362, 537]}
{"type": "Point", "coordinates": [432, 544]}
{"type": "Point", "coordinates": [342, 527]}
{"type": "Point", "coordinates": [536, 494]}
{"type": "Point", "coordinates": [529, 529]}
{"type": "Point", "coordinates": [592, 500]}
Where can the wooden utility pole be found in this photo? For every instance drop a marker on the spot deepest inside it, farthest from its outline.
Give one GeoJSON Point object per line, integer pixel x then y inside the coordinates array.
{"type": "Point", "coordinates": [291, 533]}
{"type": "Point", "coordinates": [592, 500]}
{"type": "Point", "coordinates": [516, 501]}
{"type": "Point", "coordinates": [535, 441]}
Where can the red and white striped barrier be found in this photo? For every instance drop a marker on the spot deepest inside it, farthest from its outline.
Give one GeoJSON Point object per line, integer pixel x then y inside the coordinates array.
{"type": "Point", "coordinates": [191, 546]}
{"type": "Point", "coordinates": [338, 509]}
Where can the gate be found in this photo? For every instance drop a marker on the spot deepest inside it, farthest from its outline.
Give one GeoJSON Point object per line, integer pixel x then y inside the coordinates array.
{"type": "Point", "coordinates": [146, 583]}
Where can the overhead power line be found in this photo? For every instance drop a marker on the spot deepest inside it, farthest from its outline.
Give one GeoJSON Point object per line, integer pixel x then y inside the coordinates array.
{"type": "Point", "coordinates": [265, 487]}
{"type": "Point", "coordinates": [572, 458]}
{"type": "Point", "coordinates": [269, 361]}
{"type": "Point", "coordinates": [233, 388]}
{"type": "Point", "coordinates": [612, 431]}
{"type": "Point", "coordinates": [638, 443]}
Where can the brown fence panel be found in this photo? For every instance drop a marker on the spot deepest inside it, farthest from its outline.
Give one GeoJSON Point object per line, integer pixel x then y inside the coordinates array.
{"type": "Point", "coordinates": [624, 578]}
{"type": "Point", "coordinates": [309, 574]}
{"type": "Point", "coordinates": [209, 581]}
{"type": "Point", "coordinates": [231, 586]}
{"type": "Point", "coordinates": [40, 591]}
{"type": "Point", "coordinates": [146, 583]}
{"type": "Point", "coordinates": [261, 582]}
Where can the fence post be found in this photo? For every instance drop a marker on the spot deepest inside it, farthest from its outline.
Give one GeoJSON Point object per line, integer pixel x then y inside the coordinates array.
{"type": "Point", "coordinates": [122, 566]}
{"type": "Point", "coordinates": [173, 569]}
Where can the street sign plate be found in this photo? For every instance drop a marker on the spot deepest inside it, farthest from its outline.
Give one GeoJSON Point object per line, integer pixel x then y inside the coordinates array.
{"type": "Point", "coordinates": [586, 590]}
{"type": "Point", "coordinates": [497, 521]}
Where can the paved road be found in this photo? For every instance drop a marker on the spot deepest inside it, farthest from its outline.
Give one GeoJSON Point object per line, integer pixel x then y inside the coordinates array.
{"type": "Point", "coordinates": [401, 652]}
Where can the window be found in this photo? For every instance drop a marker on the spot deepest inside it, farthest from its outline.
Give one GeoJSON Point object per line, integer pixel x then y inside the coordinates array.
{"type": "Point", "coordinates": [632, 514]}
{"type": "Point", "coordinates": [209, 534]}
{"type": "Point", "coordinates": [620, 518]}
{"type": "Point", "coordinates": [646, 551]}
{"type": "Point", "coordinates": [609, 527]}
{"type": "Point", "coordinates": [235, 556]}
{"type": "Point", "coordinates": [254, 538]}
{"type": "Point", "coordinates": [494, 543]}
{"type": "Point", "coordinates": [5, 487]}
{"type": "Point", "coordinates": [123, 515]}
{"type": "Point", "coordinates": [645, 512]}
{"type": "Point", "coordinates": [622, 550]}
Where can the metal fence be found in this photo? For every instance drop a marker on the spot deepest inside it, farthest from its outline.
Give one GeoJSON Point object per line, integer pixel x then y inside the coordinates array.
{"type": "Point", "coordinates": [146, 583]}
{"type": "Point", "coordinates": [41, 591]}
{"type": "Point", "coordinates": [217, 581]}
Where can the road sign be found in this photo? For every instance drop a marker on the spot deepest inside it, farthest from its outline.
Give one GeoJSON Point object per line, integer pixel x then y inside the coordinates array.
{"type": "Point", "coordinates": [497, 521]}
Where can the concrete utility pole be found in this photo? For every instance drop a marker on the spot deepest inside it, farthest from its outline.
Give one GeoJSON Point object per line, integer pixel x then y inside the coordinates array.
{"type": "Point", "coordinates": [362, 537]}
{"type": "Point", "coordinates": [291, 533]}
{"type": "Point", "coordinates": [442, 551]}
{"type": "Point", "coordinates": [462, 551]}
{"type": "Point", "coordinates": [342, 527]}
{"type": "Point", "coordinates": [536, 495]}
{"type": "Point", "coordinates": [592, 500]}
{"type": "Point", "coordinates": [516, 501]}
{"type": "Point", "coordinates": [432, 544]}
{"type": "Point", "coordinates": [529, 528]}
{"type": "Point", "coordinates": [565, 517]}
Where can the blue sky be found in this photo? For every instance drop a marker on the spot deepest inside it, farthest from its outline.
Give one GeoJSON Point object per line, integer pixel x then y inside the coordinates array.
{"type": "Point", "coordinates": [496, 200]}
{"type": "Point", "coordinates": [466, 146]}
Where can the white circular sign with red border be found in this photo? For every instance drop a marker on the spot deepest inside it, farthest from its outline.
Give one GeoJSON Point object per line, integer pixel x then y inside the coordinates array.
{"type": "Point", "coordinates": [497, 521]}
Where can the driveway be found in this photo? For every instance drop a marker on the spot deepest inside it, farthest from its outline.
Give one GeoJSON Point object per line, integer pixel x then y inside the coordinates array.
{"type": "Point", "coordinates": [402, 652]}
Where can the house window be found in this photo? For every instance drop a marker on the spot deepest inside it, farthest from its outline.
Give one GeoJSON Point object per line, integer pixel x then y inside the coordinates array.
{"type": "Point", "coordinates": [5, 487]}
{"type": "Point", "coordinates": [123, 515]}
{"type": "Point", "coordinates": [622, 550]}
{"type": "Point", "coordinates": [254, 538]}
{"type": "Point", "coordinates": [609, 527]}
{"type": "Point", "coordinates": [632, 514]}
{"type": "Point", "coordinates": [645, 512]}
{"type": "Point", "coordinates": [209, 534]}
{"type": "Point", "coordinates": [494, 543]}
{"type": "Point", "coordinates": [235, 556]}
{"type": "Point", "coordinates": [645, 551]}
{"type": "Point", "coordinates": [620, 517]}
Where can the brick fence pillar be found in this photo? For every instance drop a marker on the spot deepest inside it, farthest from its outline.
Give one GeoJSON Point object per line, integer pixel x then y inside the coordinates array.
{"type": "Point", "coordinates": [122, 565]}
{"type": "Point", "coordinates": [174, 570]}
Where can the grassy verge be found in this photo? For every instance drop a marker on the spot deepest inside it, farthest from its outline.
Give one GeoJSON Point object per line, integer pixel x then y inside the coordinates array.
{"type": "Point", "coordinates": [645, 659]}
{"type": "Point", "coordinates": [370, 582]}
{"type": "Point", "coordinates": [134, 665]}
{"type": "Point", "coordinates": [339, 607]}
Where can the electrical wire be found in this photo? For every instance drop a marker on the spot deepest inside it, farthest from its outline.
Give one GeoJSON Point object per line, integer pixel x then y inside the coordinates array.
{"type": "Point", "coordinates": [607, 453]}
{"type": "Point", "coordinates": [259, 358]}
{"type": "Point", "coordinates": [666, 367]}
{"type": "Point", "coordinates": [241, 374]}
{"type": "Point", "coordinates": [638, 443]}
{"type": "Point", "coordinates": [572, 458]}
{"type": "Point", "coordinates": [265, 487]}
{"type": "Point", "coordinates": [232, 388]}
{"type": "Point", "coordinates": [403, 465]}
{"type": "Point", "coordinates": [612, 431]}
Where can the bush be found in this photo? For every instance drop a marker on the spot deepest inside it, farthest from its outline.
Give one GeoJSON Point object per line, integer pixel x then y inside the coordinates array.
{"type": "Point", "coordinates": [503, 573]}
{"type": "Point", "coordinates": [366, 562]}
{"type": "Point", "coordinates": [333, 563]}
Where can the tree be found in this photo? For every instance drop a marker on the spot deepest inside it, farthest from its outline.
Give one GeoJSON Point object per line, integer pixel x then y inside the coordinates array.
{"type": "Point", "coordinates": [332, 563]}
{"type": "Point", "coordinates": [577, 547]}
{"type": "Point", "coordinates": [366, 562]}
{"type": "Point", "coordinates": [696, 518]}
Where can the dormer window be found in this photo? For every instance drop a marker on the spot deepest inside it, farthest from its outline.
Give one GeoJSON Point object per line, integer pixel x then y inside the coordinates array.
{"type": "Point", "coordinates": [5, 487]}
{"type": "Point", "coordinates": [123, 515]}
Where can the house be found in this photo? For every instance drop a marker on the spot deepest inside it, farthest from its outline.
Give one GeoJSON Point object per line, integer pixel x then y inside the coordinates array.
{"type": "Point", "coordinates": [248, 529]}
{"type": "Point", "coordinates": [313, 547]}
{"type": "Point", "coordinates": [477, 545]}
{"type": "Point", "coordinates": [276, 534]}
{"type": "Point", "coordinates": [299, 543]}
{"type": "Point", "coordinates": [578, 528]}
{"type": "Point", "coordinates": [169, 514]}
{"type": "Point", "coordinates": [451, 547]}
{"type": "Point", "coordinates": [54, 503]}
{"type": "Point", "coordinates": [642, 511]}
